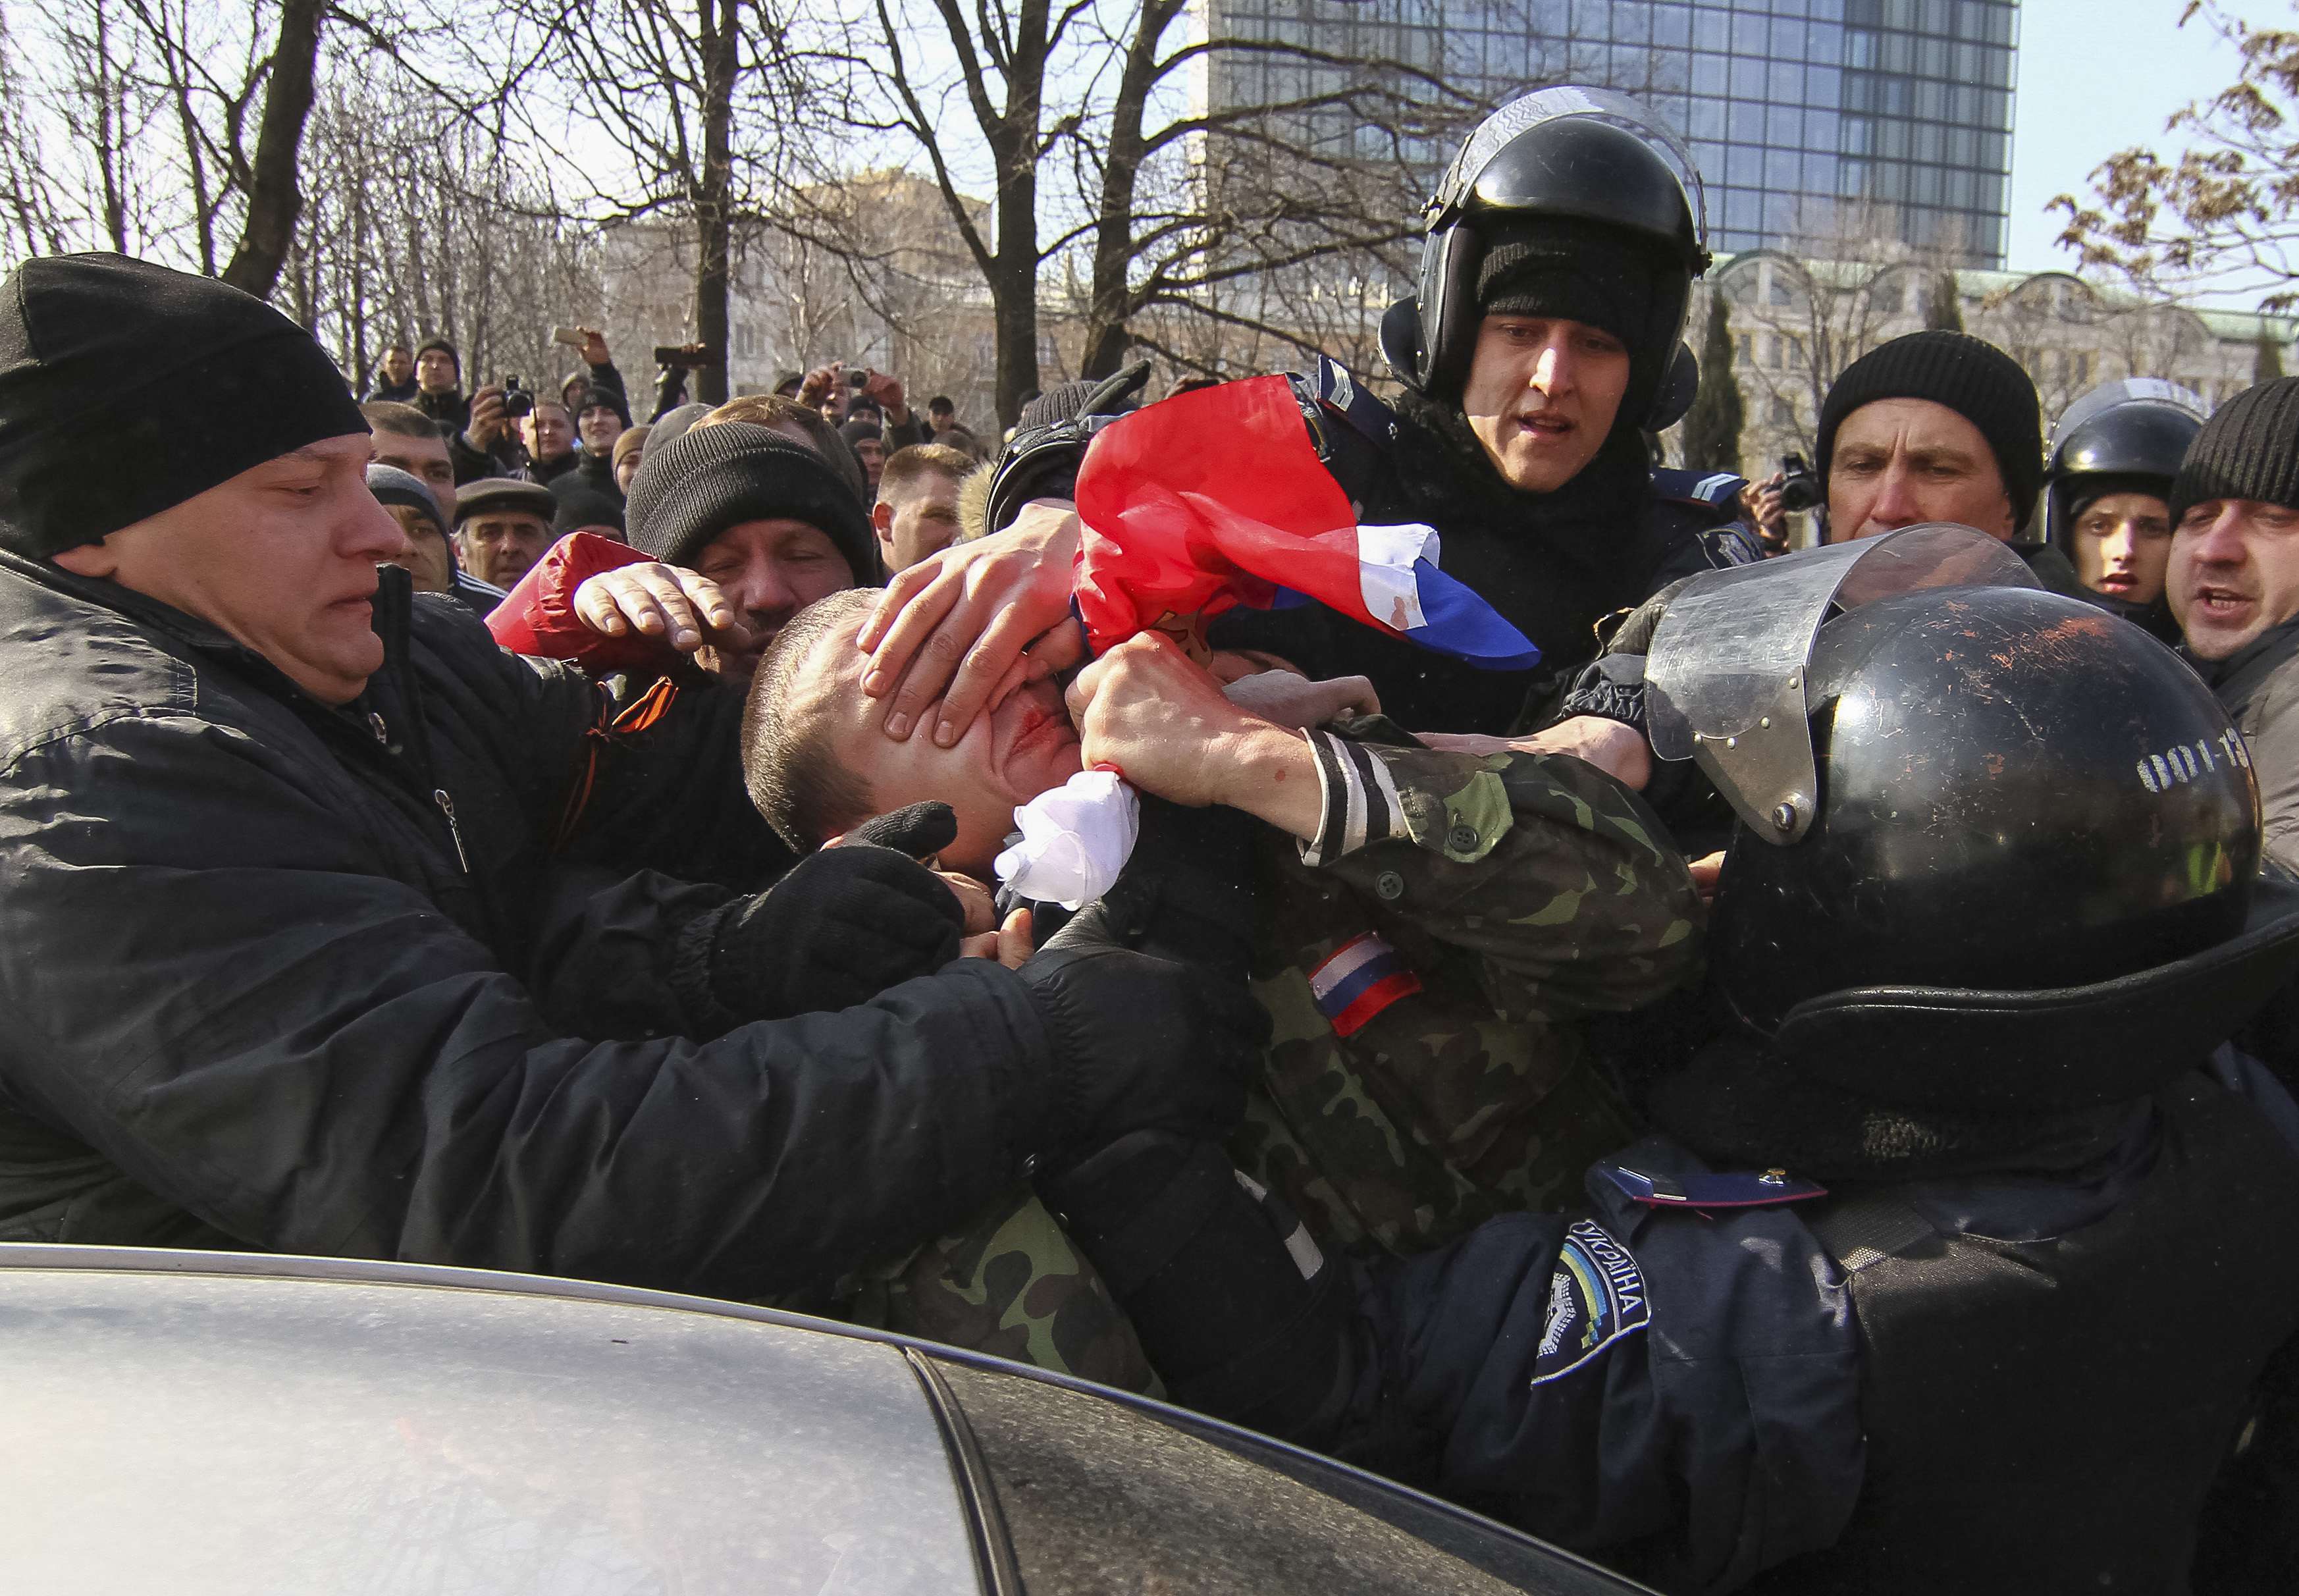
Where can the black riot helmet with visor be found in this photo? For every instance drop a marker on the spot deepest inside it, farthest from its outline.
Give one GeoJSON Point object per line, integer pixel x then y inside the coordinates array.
{"type": "Point", "coordinates": [1997, 848]}
{"type": "Point", "coordinates": [1583, 172]}
{"type": "Point", "coordinates": [2126, 437]}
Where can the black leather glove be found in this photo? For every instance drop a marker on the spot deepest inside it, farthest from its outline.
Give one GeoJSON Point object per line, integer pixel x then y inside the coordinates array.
{"type": "Point", "coordinates": [1613, 684]}
{"type": "Point", "coordinates": [840, 928]}
{"type": "Point", "coordinates": [1141, 1042]}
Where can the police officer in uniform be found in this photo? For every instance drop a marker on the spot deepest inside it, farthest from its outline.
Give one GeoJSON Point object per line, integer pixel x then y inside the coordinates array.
{"type": "Point", "coordinates": [1542, 347]}
{"type": "Point", "coordinates": [1965, 1241]}
{"type": "Point", "coordinates": [2107, 492]}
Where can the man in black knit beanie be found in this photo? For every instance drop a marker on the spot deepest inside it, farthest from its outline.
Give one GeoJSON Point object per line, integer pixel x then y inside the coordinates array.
{"type": "Point", "coordinates": [2233, 581]}
{"type": "Point", "coordinates": [332, 927]}
{"type": "Point", "coordinates": [1937, 426]}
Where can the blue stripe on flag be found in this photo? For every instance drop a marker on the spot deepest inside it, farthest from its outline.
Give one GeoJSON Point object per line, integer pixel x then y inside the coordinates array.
{"type": "Point", "coordinates": [1351, 986]}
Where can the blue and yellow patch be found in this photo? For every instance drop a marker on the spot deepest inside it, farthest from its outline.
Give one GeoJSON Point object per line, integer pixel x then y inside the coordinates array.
{"type": "Point", "coordinates": [1596, 1297]}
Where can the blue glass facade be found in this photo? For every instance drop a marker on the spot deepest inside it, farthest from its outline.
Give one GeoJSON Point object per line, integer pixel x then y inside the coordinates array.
{"type": "Point", "coordinates": [1808, 118]}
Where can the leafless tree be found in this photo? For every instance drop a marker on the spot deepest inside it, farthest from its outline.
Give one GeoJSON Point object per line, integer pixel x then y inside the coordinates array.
{"type": "Point", "coordinates": [163, 127]}
{"type": "Point", "coordinates": [421, 224]}
{"type": "Point", "coordinates": [2225, 210]}
{"type": "Point", "coordinates": [1846, 284]}
{"type": "Point", "coordinates": [680, 109]}
{"type": "Point", "coordinates": [1143, 173]}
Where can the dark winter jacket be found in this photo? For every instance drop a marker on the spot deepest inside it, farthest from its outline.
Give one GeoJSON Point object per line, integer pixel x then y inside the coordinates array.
{"type": "Point", "coordinates": [548, 471]}
{"type": "Point", "coordinates": [289, 976]}
{"type": "Point", "coordinates": [398, 392]}
{"type": "Point", "coordinates": [452, 410]}
{"type": "Point", "coordinates": [2259, 684]}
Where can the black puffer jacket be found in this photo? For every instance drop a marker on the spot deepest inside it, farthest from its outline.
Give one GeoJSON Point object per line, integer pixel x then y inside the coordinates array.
{"type": "Point", "coordinates": [255, 998]}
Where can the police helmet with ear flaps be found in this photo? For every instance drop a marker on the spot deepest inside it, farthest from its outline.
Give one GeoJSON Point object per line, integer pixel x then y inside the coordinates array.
{"type": "Point", "coordinates": [2131, 434]}
{"type": "Point", "coordinates": [1584, 155]}
{"type": "Point", "coordinates": [1998, 847]}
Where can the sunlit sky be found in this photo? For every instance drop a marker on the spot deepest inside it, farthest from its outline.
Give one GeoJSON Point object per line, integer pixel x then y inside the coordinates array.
{"type": "Point", "coordinates": [2096, 77]}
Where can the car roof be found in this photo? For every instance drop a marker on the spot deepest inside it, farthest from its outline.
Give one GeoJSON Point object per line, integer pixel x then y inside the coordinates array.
{"type": "Point", "coordinates": [239, 1422]}
{"type": "Point", "coordinates": [331, 1431]}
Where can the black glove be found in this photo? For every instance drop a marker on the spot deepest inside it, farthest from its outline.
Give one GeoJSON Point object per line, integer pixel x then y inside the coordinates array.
{"type": "Point", "coordinates": [1612, 685]}
{"type": "Point", "coordinates": [1141, 1042]}
{"type": "Point", "coordinates": [840, 928]}
{"type": "Point", "coordinates": [920, 830]}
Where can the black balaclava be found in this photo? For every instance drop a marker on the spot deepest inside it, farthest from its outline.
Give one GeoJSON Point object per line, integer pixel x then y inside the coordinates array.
{"type": "Point", "coordinates": [1588, 272]}
{"type": "Point", "coordinates": [98, 356]}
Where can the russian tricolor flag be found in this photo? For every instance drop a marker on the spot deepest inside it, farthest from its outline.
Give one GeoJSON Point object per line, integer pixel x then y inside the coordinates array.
{"type": "Point", "coordinates": [1216, 497]}
{"type": "Point", "coordinates": [1360, 978]}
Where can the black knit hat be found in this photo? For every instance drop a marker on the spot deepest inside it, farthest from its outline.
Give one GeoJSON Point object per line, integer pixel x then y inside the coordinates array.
{"type": "Point", "coordinates": [593, 396]}
{"type": "Point", "coordinates": [445, 348]}
{"type": "Point", "coordinates": [584, 503]}
{"type": "Point", "coordinates": [716, 477]}
{"type": "Point", "coordinates": [1970, 377]}
{"type": "Point", "coordinates": [2248, 450]}
{"type": "Point", "coordinates": [104, 360]}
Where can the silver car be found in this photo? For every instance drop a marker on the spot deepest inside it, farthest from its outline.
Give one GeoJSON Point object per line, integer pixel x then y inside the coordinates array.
{"type": "Point", "coordinates": [240, 1425]}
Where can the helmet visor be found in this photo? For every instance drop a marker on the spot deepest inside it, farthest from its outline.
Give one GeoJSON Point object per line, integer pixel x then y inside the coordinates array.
{"type": "Point", "coordinates": [1724, 678]}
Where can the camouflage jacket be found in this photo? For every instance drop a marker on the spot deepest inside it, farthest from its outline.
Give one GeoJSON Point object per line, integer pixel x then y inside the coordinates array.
{"type": "Point", "coordinates": [1520, 894]}
{"type": "Point", "coordinates": [1506, 897]}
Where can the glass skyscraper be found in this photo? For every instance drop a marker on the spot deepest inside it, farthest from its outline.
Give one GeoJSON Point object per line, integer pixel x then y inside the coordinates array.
{"type": "Point", "coordinates": [1809, 119]}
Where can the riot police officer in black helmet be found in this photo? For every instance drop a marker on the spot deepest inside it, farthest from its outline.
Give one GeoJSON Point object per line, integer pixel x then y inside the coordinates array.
{"type": "Point", "coordinates": [1966, 1240]}
{"type": "Point", "coordinates": [2107, 488]}
{"type": "Point", "coordinates": [1543, 345]}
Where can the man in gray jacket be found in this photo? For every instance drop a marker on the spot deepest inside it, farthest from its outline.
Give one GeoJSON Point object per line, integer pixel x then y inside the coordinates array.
{"type": "Point", "coordinates": [308, 943]}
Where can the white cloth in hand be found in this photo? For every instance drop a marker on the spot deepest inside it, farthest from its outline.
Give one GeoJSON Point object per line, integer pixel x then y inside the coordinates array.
{"type": "Point", "coordinates": [1074, 840]}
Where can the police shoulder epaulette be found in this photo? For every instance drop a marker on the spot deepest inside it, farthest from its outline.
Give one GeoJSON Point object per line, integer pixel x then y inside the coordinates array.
{"type": "Point", "coordinates": [1718, 490]}
{"type": "Point", "coordinates": [1726, 1189]}
{"type": "Point", "coordinates": [1329, 387]}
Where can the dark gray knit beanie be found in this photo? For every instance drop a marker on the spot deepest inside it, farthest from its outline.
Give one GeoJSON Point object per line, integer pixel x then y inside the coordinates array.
{"type": "Point", "coordinates": [1969, 376]}
{"type": "Point", "coordinates": [391, 486]}
{"type": "Point", "coordinates": [720, 475]}
{"type": "Point", "coordinates": [2248, 450]}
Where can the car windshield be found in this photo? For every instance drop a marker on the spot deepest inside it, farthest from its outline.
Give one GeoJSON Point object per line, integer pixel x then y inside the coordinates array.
{"type": "Point", "coordinates": [1096, 1495]}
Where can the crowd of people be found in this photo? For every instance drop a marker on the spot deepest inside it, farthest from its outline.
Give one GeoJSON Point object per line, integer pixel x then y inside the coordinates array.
{"type": "Point", "coordinates": [573, 458]}
{"type": "Point", "coordinates": [1790, 1091]}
